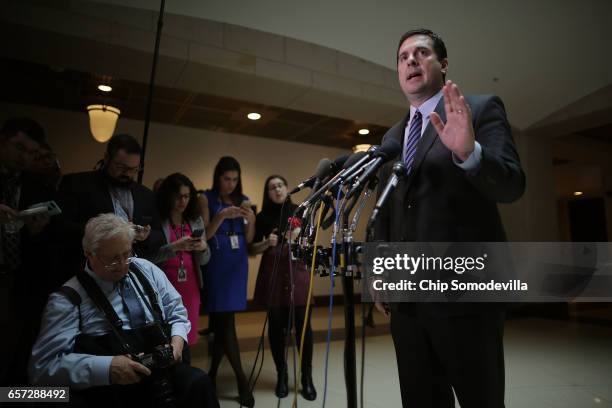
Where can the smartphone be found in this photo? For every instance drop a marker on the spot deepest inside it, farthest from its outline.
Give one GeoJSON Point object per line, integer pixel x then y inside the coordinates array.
{"type": "Point", "coordinates": [246, 204]}
{"type": "Point", "coordinates": [197, 233]}
{"type": "Point", "coordinates": [49, 208]}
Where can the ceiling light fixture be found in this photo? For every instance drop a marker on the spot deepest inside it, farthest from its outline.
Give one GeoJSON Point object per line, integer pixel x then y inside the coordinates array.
{"type": "Point", "coordinates": [578, 193]}
{"type": "Point", "coordinates": [364, 131]}
{"type": "Point", "coordinates": [105, 88]}
{"type": "Point", "coordinates": [102, 121]}
{"type": "Point", "coordinates": [254, 116]}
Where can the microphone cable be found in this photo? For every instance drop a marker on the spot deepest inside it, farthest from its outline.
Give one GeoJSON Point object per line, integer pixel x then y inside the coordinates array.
{"type": "Point", "coordinates": [308, 299]}
{"type": "Point", "coordinates": [331, 295]}
{"type": "Point", "coordinates": [363, 347]}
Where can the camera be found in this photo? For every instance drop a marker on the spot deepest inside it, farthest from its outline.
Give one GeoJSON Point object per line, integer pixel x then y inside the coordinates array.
{"type": "Point", "coordinates": [161, 357]}
{"type": "Point", "coordinates": [159, 362]}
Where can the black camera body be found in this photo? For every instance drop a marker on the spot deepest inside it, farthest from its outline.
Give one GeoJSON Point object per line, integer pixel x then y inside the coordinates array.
{"type": "Point", "coordinates": [159, 362]}
{"type": "Point", "coordinates": [161, 357]}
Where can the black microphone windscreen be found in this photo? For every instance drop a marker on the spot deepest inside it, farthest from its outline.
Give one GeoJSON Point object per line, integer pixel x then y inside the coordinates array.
{"type": "Point", "coordinates": [340, 160]}
{"type": "Point", "coordinates": [389, 149]}
{"type": "Point", "coordinates": [354, 158]}
{"type": "Point", "coordinates": [323, 168]}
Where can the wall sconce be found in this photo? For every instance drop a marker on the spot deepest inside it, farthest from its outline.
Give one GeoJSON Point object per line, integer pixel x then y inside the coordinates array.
{"type": "Point", "coordinates": [102, 121]}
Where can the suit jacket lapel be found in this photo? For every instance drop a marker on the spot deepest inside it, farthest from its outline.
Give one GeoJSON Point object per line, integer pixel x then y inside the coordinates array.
{"type": "Point", "coordinates": [427, 140]}
{"type": "Point", "coordinates": [138, 202]}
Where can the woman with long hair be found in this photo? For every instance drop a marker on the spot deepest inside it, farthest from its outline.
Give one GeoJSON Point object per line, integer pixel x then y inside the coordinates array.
{"type": "Point", "coordinates": [185, 249]}
{"type": "Point", "coordinates": [275, 281]}
{"type": "Point", "coordinates": [230, 224]}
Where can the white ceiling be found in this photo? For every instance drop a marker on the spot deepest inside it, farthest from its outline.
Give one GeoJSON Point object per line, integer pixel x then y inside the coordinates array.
{"type": "Point", "coordinates": [546, 53]}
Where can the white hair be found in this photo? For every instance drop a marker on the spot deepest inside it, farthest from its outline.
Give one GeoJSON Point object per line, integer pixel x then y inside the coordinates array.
{"type": "Point", "coordinates": [103, 227]}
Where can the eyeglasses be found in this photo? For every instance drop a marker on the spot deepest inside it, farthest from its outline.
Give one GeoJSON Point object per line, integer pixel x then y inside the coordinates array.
{"type": "Point", "coordinates": [23, 149]}
{"type": "Point", "coordinates": [124, 259]}
{"type": "Point", "coordinates": [122, 168]}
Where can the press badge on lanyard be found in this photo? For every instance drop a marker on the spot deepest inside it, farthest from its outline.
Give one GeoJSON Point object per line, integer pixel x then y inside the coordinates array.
{"type": "Point", "coordinates": [234, 241]}
{"type": "Point", "coordinates": [182, 273]}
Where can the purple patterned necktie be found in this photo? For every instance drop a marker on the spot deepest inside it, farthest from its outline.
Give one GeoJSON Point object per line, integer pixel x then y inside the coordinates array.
{"type": "Point", "coordinates": [414, 135]}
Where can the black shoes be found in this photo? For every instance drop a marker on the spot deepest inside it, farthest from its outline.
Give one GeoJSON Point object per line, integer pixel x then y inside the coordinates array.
{"type": "Point", "coordinates": [282, 385]}
{"type": "Point", "coordinates": [308, 390]}
{"type": "Point", "coordinates": [247, 401]}
{"type": "Point", "coordinates": [245, 398]}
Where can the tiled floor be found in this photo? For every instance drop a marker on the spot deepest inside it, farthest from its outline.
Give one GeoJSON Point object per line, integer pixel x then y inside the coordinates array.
{"type": "Point", "coordinates": [549, 363]}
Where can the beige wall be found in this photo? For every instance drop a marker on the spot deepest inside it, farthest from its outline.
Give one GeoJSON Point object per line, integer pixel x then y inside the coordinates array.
{"type": "Point", "coordinates": [534, 216]}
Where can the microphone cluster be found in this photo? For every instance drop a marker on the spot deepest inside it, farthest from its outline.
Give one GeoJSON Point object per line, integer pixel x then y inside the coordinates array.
{"type": "Point", "coordinates": [344, 178]}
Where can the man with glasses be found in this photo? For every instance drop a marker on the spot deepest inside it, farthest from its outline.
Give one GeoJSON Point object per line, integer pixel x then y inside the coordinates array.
{"type": "Point", "coordinates": [111, 188]}
{"type": "Point", "coordinates": [77, 348]}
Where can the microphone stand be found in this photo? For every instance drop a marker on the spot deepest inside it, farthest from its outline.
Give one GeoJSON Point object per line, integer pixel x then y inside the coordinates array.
{"type": "Point", "coordinates": [347, 268]}
{"type": "Point", "coordinates": [350, 272]}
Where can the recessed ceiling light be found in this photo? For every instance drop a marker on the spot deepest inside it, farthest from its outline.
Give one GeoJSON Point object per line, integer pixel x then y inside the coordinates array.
{"type": "Point", "coordinates": [105, 88]}
{"type": "Point", "coordinates": [578, 193]}
{"type": "Point", "coordinates": [254, 116]}
{"type": "Point", "coordinates": [364, 131]}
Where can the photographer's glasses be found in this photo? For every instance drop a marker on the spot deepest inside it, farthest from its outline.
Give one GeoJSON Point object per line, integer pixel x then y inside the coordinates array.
{"type": "Point", "coordinates": [124, 259]}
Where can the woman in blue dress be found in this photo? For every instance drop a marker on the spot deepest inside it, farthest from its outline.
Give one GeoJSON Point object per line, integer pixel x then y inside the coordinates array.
{"type": "Point", "coordinates": [230, 226]}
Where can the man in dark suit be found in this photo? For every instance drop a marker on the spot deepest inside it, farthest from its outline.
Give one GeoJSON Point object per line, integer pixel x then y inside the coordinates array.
{"type": "Point", "coordinates": [110, 189]}
{"type": "Point", "coordinates": [462, 161]}
{"type": "Point", "coordinates": [25, 280]}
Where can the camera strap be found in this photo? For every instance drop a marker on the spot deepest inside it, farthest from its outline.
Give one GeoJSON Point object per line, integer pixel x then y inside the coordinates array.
{"type": "Point", "coordinates": [153, 303]}
{"type": "Point", "coordinates": [154, 307]}
{"type": "Point", "coordinates": [99, 299]}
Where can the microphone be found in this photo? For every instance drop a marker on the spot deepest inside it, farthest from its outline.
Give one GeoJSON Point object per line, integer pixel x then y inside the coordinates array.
{"type": "Point", "coordinates": [338, 163]}
{"type": "Point", "coordinates": [323, 169]}
{"type": "Point", "coordinates": [335, 167]}
{"type": "Point", "coordinates": [399, 172]}
{"type": "Point", "coordinates": [388, 150]}
{"type": "Point", "coordinates": [355, 161]}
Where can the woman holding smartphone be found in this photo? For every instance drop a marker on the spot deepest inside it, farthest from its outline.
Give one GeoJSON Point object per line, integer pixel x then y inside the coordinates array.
{"type": "Point", "coordinates": [230, 224]}
{"type": "Point", "coordinates": [275, 281]}
{"type": "Point", "coordinates": [185, 248]}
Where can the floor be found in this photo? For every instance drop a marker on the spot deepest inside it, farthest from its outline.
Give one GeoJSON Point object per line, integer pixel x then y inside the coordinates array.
{"type": "Point", "coordinates": [549, 363]}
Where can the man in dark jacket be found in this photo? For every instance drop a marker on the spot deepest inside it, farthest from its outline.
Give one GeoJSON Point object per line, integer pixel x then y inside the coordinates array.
{"type": "Point", "coordinates": [462, 161]}
{"type": "Point", "coordinates": [25, 280]}
{"type": "Point", "coordinates": [110, 189]}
